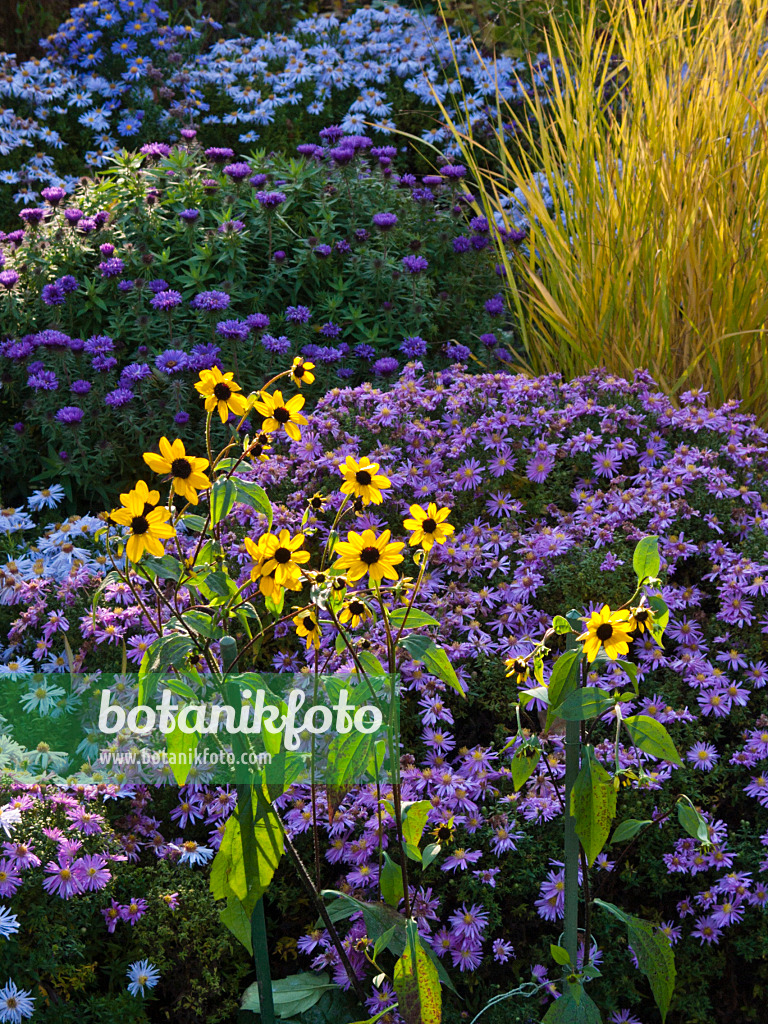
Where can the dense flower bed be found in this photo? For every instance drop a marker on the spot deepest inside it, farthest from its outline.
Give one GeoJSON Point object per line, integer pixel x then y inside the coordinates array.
{"type": "Point", "coordinates": [550, 484]}
{"type": "Point", "coordinates": [116, 75]}
{"type": "Point", "coordinates": [179, 260]}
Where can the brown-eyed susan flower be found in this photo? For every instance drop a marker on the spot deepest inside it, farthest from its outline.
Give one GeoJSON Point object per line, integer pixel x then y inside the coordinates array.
{"type": "Point", "coordinates": [258, 447]}
{"type": "Point", "coordinates": [363, 553]}
{"type": "Point", "coordinates": [355, 612]}
{"type": "Point", "coordinates": [640, 619]}
{"type": "Point", "coordinates": [609, 630]}
{"type": "Point", "coordinates": [363, 480]}
{"type": "Point", "coordinates": [428, 528]}
{"type": "Point", "coordinates": [268, 585]}
{"type": "Point", "coordinates": [301, 372]}
{"type": "Point", "coordinates": [282, 555]}
{"type": "Point", "coordinates": [186, 471]}
{"type": "Point", "coordinates": [517, 669]}
{"type": "Point", "coordinates": [316, 502]}
{"type": "Point", "coordinates": [279, 413]}
{"type": "Point", "coordinates": [146, 519]}
{"type": "Point", "coordinates": [221, 393]}
{"type": "Point", "coordinates": [307, 626]}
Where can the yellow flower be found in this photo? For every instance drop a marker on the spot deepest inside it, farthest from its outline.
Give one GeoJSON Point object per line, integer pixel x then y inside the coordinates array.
{"type": "Point", "coordinates": [187, 472]}
{"type": "Point", "coordinates": [306, 625]}
{"type": "Point", "coordinates": [147, 521]}
{"type": "Point", "coordinates": [363, 553]}
{"type": "Point", "coordinates": [363, 480]}
{"type": "Point", "coordinates": [517, 669]}
{"type": "Point", "coordinates": [258, 447]}
{"type": "Point", "coordinates": [278, 413]}
{"type": "Point", "coordinates": [268, 585]}
{"type": "Point", "coordinates": [282, 556]}
{"type": "Point", "coordinates": [609, 630]}
{"type": "Point", "coordinates": [355, 612]}
{"type": "Point", "coordinates": [220, 392]}
{"type": "Point", "coordinates": [428, 527]}
{"type": "Point", "coordinates": [640, 619]}
{"type": "Point", "coordinates": [301, 372]}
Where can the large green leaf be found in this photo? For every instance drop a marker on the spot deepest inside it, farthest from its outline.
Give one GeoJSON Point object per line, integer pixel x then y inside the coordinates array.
{"type": "Point", "coordinates": [391, 882]}
{"type": "Point", "coordinates": [629, 828]}
{"type": "Point", "coordinates": [417, 983]}
{"type": "Point", "coordinates": [164, 652]}
{"type": "Point", "coordinates": [563, 680]}
{"type": "Point", "coordinates": [645, 560]}
{"type": "Point", "coordinates": [660, 618]}
{"type": "Point", "coordinates": [223, 496]}
{"type": "Point", "coordinates": [566, 1010]}
{"type": "Point", "coordinates": [654, 955]}
{"type": "Point", "coordinates": [416, 619]}
{"type": "Point", "coordinates": [181, 750]}
{"type": "Point", "coordinates": [229, 874]}
{"type": "Point", "coordinates": [691, 820]}
{"type": "Point", "coordinates": [251, 494]}
{"type": "Point", "coordinates": [434, 659]}
{"type": "Point", "coordinates": [291, 996]}
{"type": "Point", "coordinates": [234, 917]}
{"type": "Point", "coordinates": [650, 736]}
{"type": "Point", "coordinates": [523, 765]}
{"type": "Point", "coordinates": [415, 820]}
{"type": "Point", "coordinates": [586, 702]}
{"type": "Point", "coordinates": [593, 805]}
{"type": "Point", "coordinates": [348, 757]}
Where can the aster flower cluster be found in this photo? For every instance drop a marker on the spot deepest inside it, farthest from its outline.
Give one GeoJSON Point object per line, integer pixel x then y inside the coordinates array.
{"type": "Point", "coordinates": [65, 344]}
{"type": "Point", "coordinates": [118, 68]}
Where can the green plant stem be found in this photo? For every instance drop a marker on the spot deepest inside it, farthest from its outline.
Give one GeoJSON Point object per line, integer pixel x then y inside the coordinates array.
{"type": "Point", "coordinates": [571, 845]}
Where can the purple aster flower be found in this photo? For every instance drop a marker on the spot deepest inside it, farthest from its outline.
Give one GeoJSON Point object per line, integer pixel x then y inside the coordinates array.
{"type": "Point", "coordinates": [172, 361]}
{"type": "Point", "coordinates": [53, 294]}
{"type": "Point", "coordinates": [310, 149]}
{"type": "Point", "coordinates": [188, 133]}
{"type": "Point", "coordinates": [414, 347]}
{"type": "Point", "coordinates": [125, 286]}
{"type": "Point", "coordinates": [158, 285]}
{"type": "Point", "coordinates": [385, 221]}
{"type": "Point", "coordinates": [296, 315]}
{"type": "Point", "coordinates": [112, 268]}
{"type": "Point", "coordinates": [133, 373]}
{"type": "Point", "coordinates": [342, 155]}
{"type": "Point", "coordinates": [166, 300]}
{"type": "Point", "coordinates": [539, 468]}
{"type": "Point", "coordinates": [99, 344]}
{"type": "Point", "coordinates": [361, 234]}
{"type": "Point", "coordinates": [190, 216]}
{"type": "Point", "coordinates": [231, 227]}
{"type": "Point", "coordinates": [385, 366]}
{"type": "Point", "coordinates": [342, 246]}
{"type": "Point", "coordinates": [461, 244]}
{"type": "Point", "coordinates": [69, 414]}
{"type": "Point", "coordinates": [330, 330]}
{"type": "Point", "coordinates": [118, 397]}
{"type": "Point", "coordinates": [219, 154]}
{"type": "Point", "coordinates": [53, 194]}
{"type": "Point", "coordinates": [365, 351]}
{"type": "Point", "coordinates": [279, 255]}
{"type": "Point", "coordinates": [279, 346]}
{"type": "Point", "coordinates": [155, 150]}
{"type": "Point", "coordinates": [495, 305]}
{"type": "Point", "coordinates": [233, 330]}
{"type": "Point", "coordinates": [259, 321]}
{"type": "Point", "coordinates": [210, 185]}
{"type": "Point", "coordinates": [68, 284]}
{"type": "Point", "coordinates": [332, 133]}
{"type": "Point", "coordinates": [453, 171]}
{"type": "Point", "coordinates": [181, 418]}
{"type": "Point", "coordinates": [8, 278]}
{"type": "Point", "coordinates": [32, 216]}
{"type": "Point", "coordinates": [322, 250]}
{"type": "Point", "coordinates": [458, 353]}
{"type": "Point", "coordinates": [204, 356]}
{"type": "Point", "coordinates": [87, 225]}
{"type": "Point", "coordinates": [210, 301]}
{"type": "Point", "coordinates": [503, 951]}
{"type": "Point", "coordinates": [270, 200]}
{"type": "Point", "coordinates": [237, 171]}
{"type": "Point", "coordinates": [80, 387]}
{"type": "Point", "coordinates": [489, 340]}
{"type": "Point", "coordinates": [257, 180]}
{"type": "Point", "coordinates": [703, 756]}
{"type": "Point", "coordinates": [45, 380]}
{"type": "Point", "coordinates": [73, 216]}
{"type": "Point", "coordinates": [414, 264]}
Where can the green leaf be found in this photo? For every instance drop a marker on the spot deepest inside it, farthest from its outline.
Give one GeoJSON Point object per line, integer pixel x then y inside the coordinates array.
{"type": "Point", "coordinates": [291, 996]}
{"type": "Point", "coordinates": [523, 764]}
{"type": "Point", "coordinates": [234, 917]}
{"type": "Point", "coordinates": [691, 820]}
{"type": "Point", "coordinates": [654, 955]}
{"type": "Point", "coordinates": [391, 881]}
{"type": "Point", "coordinates": [429, 853]}
{"type": "Point", "coordinates": [587, 702]}
{"type": "Point", "coordinates": [223, 496]}
{"type": "Point", "coordinates": [165, 568]}
{"type": "Point", "coordinates": [251, 494]}
{"type": "Point", "coordinates": [201, 623]}
{"type": "Point", "coordinates": [646, 560]}
{"type": "Point", "coordinates": [566, 1010]}
{"type": "Point", "coordinates": [563, 680]}
{"type": "Point", "coordinates": [561, 625]}
{"type": "Point", "coordinates": [416, 619]}
{"type": "Point", "coordinates": [417, 983]}
{"type": "Point", "coordinates": [593, 805]}
{"type": "Point", "coordinates": [660, 618]}
{"type": "Point", "coordinates": [348, 755]}
{"type": "Point", "coordinates": [433, 658]}
{"type": "Point", "coordinates": [162, 653]}
{"type": "Point", "coordinates": [193, 522]}
{"type": "Point", "coordinates": [652, 738]}
{"type": "Point", "coordinates": [537, 693]}
{"type": "Point", "coordinates": [631, 669]}
{"type": "Point", "coordinates": [179, 687]}
{"type": "Point", "coordinates": [560, 955]}
{"type": "Point", "coordinates": [629, 828]}
{"type": "Point", "coordinates": [181, 749]}
{"type": "Point", "coordinates": [415, 821]}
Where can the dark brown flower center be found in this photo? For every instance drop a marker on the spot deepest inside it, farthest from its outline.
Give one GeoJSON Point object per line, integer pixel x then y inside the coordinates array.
{"type": "Point", "coordinates": [642, 615]}
{"type": "Point", "coordinates": [282, 555]}
{"type": "Point", "coordinates": [363, 477]}
{"type": "Point", "coordinates": [308, 623]}
{"type": "Point", "coordinates": [139, 525]}
{"type": "Point", "coordinates": [370, 555]}
{"type": "Point", "coordinates": [604, 631]}
{"type": "Point", "coordinates": [298, 371]}
{"type": "Point", "coordinates": [148, 508]}
{"type": "Point", "coordinates": [281, 415]}
{"type": "Point", "coordinates": [356, 607]}
{"type": "Point", "coordinates": [519, 665]}
{"type": "Point", "coordinates": [429, 526]}
{"type": "Point", "coordinates": [222, 391]}
{"type": "Point", "coordinates": [181, 468]}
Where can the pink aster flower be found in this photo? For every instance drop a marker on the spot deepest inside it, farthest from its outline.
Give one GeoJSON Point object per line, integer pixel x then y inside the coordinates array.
{"type": "Point", "coordinates": [112, 915]}
{"type": "Point", "coordinates": [92, 871]}
{"type": "Point", "coordinates": [134, 910]}
{"type": "Point", "coordinates": [703, 756]}
{"type": "Point", "coordinates": [62, 881]}
{"type": "Point", "coordinates": [460, 859]}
